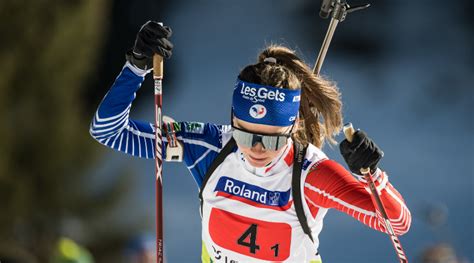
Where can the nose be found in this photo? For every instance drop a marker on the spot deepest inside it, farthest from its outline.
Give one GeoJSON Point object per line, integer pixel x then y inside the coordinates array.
{"type": "Point", "coordinates": [258, 147]}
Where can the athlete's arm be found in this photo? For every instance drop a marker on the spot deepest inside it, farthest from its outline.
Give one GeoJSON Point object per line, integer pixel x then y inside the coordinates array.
{"type": "Point", "coordinates": [329, 185]}
{"type": "Point", "coordinates": [112, 126]}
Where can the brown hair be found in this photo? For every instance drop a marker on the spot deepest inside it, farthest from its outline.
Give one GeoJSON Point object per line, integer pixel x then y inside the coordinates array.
{"type": "Point", "coordinates": [320, 110]}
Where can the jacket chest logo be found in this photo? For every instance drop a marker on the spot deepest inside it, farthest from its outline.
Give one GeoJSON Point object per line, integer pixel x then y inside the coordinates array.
{"type": "Point", "coordinates": [252, 194]}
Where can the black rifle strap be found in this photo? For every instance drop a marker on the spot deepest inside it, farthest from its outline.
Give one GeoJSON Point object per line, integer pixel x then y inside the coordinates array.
{"type": "Point", "coordinates": [299, 154]}
{"type": "Point", "coordinates": [219, 159]}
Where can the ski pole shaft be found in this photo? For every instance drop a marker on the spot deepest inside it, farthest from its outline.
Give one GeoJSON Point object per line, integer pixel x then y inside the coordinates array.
{"type": "Point", "coordinates": [349, 133]}
{"type": "Point", "coordinates": [338, 9]}
{"type": "Point", "coordinates": [158, 77]}
{"type": "Point", "coordinates": [325, 46]}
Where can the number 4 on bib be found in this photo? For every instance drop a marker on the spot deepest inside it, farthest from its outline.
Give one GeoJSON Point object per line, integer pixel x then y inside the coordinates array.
{"type": "Point", "coordinates": [251, 237]}
{"type": "Point", "coordinates": [251, 234]}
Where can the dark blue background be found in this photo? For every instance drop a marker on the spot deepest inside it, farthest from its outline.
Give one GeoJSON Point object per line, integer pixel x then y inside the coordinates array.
{"type": "Point", "coordinates": [405, 70]}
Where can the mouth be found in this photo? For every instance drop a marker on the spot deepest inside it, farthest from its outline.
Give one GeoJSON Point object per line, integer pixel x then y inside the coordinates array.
{"type": "Point", "coordinates": [257, 160]}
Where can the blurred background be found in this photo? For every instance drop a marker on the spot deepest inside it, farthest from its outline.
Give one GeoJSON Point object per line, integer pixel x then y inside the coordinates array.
{"type": "Point", "coordinates": [405, 69]}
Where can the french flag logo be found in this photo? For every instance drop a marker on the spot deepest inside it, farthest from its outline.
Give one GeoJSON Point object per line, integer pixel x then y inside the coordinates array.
{"type": "Point", "coordinates": [258, 111]}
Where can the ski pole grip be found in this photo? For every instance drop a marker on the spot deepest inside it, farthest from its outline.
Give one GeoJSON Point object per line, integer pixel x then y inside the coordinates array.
{"type": "Point", "coordinates": [349, 133]}
{"type": "Point", "coordinates": [158, 64]}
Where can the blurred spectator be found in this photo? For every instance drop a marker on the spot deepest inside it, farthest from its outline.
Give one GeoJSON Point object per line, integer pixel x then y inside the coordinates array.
{"type": "Point", "coordinates": [68, 251]}
{"type": "Point", "coordinates": [141, 249]}
{"type": "Point", "coordinates": [440, 253]}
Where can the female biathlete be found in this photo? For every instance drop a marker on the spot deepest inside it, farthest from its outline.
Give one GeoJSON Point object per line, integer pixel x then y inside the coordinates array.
{"type": "Point", "coordinates": [259, 201]}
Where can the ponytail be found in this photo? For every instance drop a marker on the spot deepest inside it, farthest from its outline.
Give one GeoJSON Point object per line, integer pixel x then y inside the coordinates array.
{"type": "Point", "coordinates": [320, 109]}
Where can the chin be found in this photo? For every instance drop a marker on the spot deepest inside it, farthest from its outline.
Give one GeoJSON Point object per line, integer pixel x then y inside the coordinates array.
{"type": "Point", "coordinates": [258, 162]}
{"type": "Point", "coordinates": [258, 165]}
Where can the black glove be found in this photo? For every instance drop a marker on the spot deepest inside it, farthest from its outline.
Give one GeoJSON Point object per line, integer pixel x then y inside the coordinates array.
{"type": "Point", "coordinates": [362, 152]}
{"type": "Point", "coordinates": [152, 38]}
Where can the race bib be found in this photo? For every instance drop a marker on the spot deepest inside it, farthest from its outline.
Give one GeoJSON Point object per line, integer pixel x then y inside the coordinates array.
{"type": "Point", "coordinates": [251, 237]}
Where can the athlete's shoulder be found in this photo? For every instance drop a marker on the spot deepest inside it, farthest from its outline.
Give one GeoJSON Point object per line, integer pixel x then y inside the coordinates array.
{"type": "Point", "coordinates": [313, 157]}
{"type": "Point", "coordinates": [202, 143]}
{"type": "Point", "coordinates": [317, 166]}
{"type": "Point", "coordinates": [226, 133]}
{"type": "Point", "coordinates": [314, 153]}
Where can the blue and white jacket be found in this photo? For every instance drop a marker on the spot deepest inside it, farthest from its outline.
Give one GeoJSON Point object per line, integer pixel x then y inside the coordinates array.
{"type": "Point", "coordinates": [112, 127]}
{"type": "Point", "coordinates": [235, 198]}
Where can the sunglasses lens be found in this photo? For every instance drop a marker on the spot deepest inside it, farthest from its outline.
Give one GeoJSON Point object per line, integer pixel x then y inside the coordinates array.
{"type": "Point", "coordinates": [274, 142]}
{"type": "Point", "coordinates": [243, 138]}
{"type": "Point", "coordinates": [269, 142]}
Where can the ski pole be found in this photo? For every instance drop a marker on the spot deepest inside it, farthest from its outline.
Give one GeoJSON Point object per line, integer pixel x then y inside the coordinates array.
{"type": "Point", "coordinates": [339, 10]}
{"type": "Point", "coordinates": [349, 133]}
{"type": "Point", "coordinates": [158, 77]}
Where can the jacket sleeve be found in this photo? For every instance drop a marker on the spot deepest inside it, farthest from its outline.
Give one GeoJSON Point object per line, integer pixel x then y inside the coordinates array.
{"type": "Point", "coordinates": [112, 127]}
{"type": "Point", "coordinates": [329, 185]}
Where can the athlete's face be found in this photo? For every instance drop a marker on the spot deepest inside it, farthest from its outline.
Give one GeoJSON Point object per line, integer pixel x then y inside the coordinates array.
{"type": "Point", "coordinates": [257, 155]}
